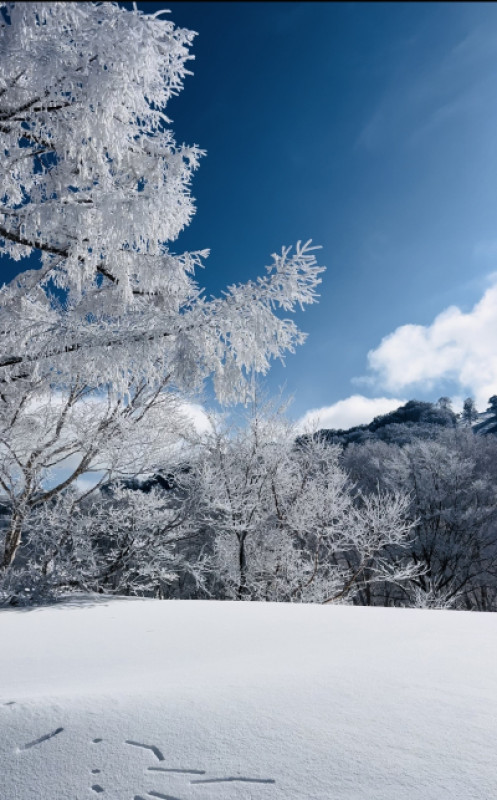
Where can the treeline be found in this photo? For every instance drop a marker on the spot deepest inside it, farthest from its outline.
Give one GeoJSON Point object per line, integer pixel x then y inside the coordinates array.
{"type": "Point", "coordinates": [415, 419]}
{"type": "Point", "coordinates": [405, 516]}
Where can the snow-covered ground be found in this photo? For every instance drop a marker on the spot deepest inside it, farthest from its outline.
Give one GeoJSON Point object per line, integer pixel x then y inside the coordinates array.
{"type": "Point", "coordinates": [140, 699]}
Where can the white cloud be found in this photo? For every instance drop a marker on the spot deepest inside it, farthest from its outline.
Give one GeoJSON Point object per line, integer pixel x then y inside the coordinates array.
{"type": "Point", "coordinates": [198, 415]}
{"type": "Point", "coordinates": [354, 410]}
{"type": "Point", "coordinates": [457, 346]}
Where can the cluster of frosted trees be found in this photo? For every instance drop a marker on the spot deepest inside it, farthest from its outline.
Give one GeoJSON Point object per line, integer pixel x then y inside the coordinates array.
{"type": "Point", "coordinates": [254, 514]}
{"type": "Point", "coordinates": [107, 333]}
{"type": "Point", "coordinates": [249, 515]}
{"type": "Point", "coordinates": [451, 479]}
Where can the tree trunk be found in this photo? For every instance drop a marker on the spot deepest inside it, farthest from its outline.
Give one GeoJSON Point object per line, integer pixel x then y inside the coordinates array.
{"type": "Point", "coordinates": [12, 539]}
{"type": "Point", "coordinates": [242, 565]}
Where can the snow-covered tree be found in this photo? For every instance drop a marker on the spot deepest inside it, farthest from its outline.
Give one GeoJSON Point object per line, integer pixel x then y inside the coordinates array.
{"type": "Point", "coordinates": [124, 540]}
{"type": "Point", "coordinates": [49, 440]}
{"type": "Point", "coordinates": [94, 183]}
{"type": "Point", "coordinates": [94, 191]}
{"type": "Point", "coordinates": [469, 412]}
{"type": "Point", "coordinates": [453, 507]}
{"type": "Point", "coordinates": [286, 521]}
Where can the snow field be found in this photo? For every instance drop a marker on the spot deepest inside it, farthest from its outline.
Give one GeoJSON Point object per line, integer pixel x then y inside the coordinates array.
{"type": "Point", "coordinates": [203, 700]}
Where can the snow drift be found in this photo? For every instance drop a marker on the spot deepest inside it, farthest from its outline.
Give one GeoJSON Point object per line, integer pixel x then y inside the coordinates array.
{"type": "Point", "coordinates": [203, 700]}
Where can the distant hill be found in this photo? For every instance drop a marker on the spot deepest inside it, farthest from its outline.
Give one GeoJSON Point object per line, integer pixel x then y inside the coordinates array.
{"type": "Point", "coordinates": [415, 419]}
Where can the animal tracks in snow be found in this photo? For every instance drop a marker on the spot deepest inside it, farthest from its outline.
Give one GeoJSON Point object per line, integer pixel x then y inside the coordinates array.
{"type": "Point", "coordinates": [41, 739]}
{"type": "Point", "coordinates": [161, 796]}
{"type": "Point", "coordinates": [165, 772]}
{"type": "Point", "coordinates": [184, 771]}
{"type": "Point", "coordinates": [155, 750]}
{"type": "Point", "coordinates": [233, 778]}
{"type": "Point", "coordinates": [180, 771]}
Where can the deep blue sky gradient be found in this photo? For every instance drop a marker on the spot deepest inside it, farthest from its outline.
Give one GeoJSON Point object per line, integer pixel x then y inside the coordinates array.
{"type": "Point", "coordinates": [370, 128]}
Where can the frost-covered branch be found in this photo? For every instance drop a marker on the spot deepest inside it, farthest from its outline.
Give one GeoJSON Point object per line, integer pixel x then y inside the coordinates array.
{"type": "Point", "coordinates": [109, 331]}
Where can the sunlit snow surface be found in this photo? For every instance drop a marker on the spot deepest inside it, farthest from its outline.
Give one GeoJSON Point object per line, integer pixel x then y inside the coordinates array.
{"type": "Point", "coordinates": [186, 700]}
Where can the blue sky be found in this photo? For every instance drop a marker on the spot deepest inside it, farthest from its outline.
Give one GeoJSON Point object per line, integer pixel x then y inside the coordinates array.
{"type": "Point", "coordinates": [371, 129]}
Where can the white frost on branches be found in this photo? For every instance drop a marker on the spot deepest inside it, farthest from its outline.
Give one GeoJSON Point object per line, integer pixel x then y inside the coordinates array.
{"type": "Point", "coordinates": [287, 521]}
{"type": "Point", "coordinates": [95, 189]}
{"type": "Point", "coordinates": [94, 182]}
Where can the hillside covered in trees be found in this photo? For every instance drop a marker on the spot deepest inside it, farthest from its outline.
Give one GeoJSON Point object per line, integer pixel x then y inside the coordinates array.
{"type": "Point", "coordinates": [415, 419]}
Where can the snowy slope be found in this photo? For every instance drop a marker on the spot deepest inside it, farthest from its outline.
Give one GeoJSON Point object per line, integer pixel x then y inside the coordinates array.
{"type": "Point", "coordinates": [140, 699]}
